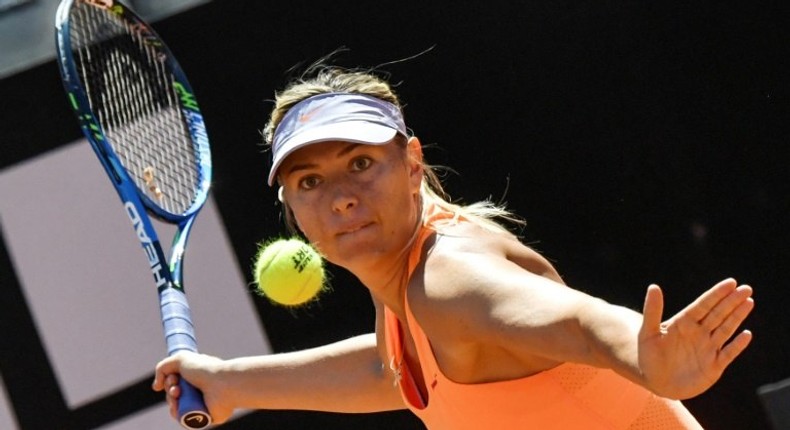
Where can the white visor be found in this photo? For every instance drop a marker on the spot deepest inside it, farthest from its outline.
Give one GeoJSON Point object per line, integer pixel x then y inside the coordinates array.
{"type": "Point", "coordinates": [326, 117]}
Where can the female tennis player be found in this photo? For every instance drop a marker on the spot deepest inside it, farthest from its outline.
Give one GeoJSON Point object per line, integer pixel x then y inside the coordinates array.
{"type": "Point", "coordinates": [473, 328]}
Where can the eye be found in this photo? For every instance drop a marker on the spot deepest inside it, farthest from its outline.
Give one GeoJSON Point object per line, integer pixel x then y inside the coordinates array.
{"type": "Point", "coordinates": [309, 182]}
{"type": "Point", "coordinates": [361, 163]}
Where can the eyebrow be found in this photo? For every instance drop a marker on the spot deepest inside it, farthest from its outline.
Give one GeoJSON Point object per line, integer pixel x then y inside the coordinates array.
{"type": "Point", "coordinates": [346, 149]}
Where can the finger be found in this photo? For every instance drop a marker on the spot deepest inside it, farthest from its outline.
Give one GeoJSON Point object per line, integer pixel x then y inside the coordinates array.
{"type": "Point", "coordinates": [173, 407]}
{"type": "Point", "coordinates": [733, 321]}
{"type": "Point", "coordinates": [652, 312]}
{"type": "Point", "coordinates": [159, 379]}
{"type": "Point", "coordinates": [174, 391]}
{"type": "Point", "coordinates": [157, 385]}
{"type": "Point", "coordinates": [734, 348]}
{"type": "Point", "coordinates": [725, 307]}
{"type": "Point", "coordinates": [165, 367]}
{"type": "Point", "coordinates": [699, 308]}
{"type": "Point", "coordinates": [171, 380]}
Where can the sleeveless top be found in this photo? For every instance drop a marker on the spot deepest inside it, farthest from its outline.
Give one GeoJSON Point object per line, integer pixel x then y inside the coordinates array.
{"type": "Point", "coordinates": [569, 396]}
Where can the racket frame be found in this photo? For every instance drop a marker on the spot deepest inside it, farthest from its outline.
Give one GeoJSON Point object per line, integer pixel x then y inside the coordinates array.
{"type": "Point", "coordinates": [167, 276]}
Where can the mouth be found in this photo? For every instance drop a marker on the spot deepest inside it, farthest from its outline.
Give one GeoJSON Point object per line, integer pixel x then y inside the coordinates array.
{"type": "Point", "coordinates": [353, 228]}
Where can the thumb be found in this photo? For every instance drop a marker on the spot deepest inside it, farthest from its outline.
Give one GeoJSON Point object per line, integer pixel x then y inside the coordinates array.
{"type": "Point", "coordinates": [652, 311]}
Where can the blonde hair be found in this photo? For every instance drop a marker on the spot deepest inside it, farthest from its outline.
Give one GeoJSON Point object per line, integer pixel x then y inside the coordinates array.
{"type": "Point", "coordinates": [320, 79]}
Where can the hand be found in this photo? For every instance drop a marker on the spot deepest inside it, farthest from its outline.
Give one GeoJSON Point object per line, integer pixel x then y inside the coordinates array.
{"type": "Point", "coordinates": [685, 355]}
{"type": "Point", "coordinates": [201, 371]}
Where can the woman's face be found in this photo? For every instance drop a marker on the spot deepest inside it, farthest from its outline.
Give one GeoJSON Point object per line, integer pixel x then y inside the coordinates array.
{"type": "Point", "coordinates": [357, 203]}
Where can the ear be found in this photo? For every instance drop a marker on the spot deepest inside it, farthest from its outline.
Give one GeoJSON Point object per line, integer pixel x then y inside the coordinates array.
{"type": "Point", "coordinates": [415, 163]}
{"type": "Point", "coordinates": [414, 148]}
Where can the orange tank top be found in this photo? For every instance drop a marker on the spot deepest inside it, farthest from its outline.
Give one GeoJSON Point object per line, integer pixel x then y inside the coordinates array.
{"type": "Point", "coordinates": [570, 396]}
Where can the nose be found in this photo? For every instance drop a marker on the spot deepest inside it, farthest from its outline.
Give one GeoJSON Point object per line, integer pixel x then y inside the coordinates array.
{"type": "Point", "coordinates": [343, 200]}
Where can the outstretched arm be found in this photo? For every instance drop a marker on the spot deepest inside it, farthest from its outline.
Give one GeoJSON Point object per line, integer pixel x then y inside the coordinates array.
{"type": "Point", "coordinates": [345, 376]}
{"type": "Point", "coordinates": [677, 358]}
{"type": "Point", "coordinates": [533, 317]}
{"type": "Point", "coordinates": [680, 357]}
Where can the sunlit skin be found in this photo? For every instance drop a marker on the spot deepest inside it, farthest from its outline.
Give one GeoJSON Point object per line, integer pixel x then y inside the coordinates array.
{"type": "Point", "coordinates": [493, 308]}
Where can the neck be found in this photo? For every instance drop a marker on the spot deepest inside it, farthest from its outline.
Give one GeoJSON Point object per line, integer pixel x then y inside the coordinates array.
{"type": "Point", "coordinates": [387, 283]}
{"type": "Point", "coordinates": [388, 277]}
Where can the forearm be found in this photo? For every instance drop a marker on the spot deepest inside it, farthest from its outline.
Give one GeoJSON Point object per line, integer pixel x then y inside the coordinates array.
{"type": "Point", "coordinates": [345, 376]}
{"type": "Point", "coordinates": [611, 333]}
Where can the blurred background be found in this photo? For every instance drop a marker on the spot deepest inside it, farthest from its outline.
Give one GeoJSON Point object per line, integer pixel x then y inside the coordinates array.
{"type": "Point", "coordinates": [642, 141]}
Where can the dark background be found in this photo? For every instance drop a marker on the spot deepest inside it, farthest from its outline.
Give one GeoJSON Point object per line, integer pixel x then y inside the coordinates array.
{"type": "Point", "coordinates": [642, 141]}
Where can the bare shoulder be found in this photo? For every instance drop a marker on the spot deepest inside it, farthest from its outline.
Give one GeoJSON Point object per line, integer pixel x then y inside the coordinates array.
{"type": "Point", "coordinates": [472, 294]}
{"type": "Point", "coordinates": [465, 271]}
{"type": "Point", "coordinates": [456, 244]}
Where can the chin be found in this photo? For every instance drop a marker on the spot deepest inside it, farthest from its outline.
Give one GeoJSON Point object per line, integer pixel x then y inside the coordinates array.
{"type": "Point", "coordinates": [360, 255]}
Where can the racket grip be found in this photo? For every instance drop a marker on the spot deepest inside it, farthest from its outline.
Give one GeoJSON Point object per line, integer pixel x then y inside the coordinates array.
{"type": "Point", "coordinates": [180, 336]}
{"type": "Point", "coordinates": [192, 411]}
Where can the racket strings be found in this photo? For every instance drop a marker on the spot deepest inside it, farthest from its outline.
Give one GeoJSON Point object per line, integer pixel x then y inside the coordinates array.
{"type": "Point", "coordinates": [130, 88]}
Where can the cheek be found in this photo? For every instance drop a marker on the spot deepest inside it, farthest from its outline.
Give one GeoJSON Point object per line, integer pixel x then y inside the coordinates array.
{"type": "Point", "coordinates": [293, 209]}
{"type": "Point", "coordinates": [305, 217]}
{"type": "Point", "coordinates": [300, 222]}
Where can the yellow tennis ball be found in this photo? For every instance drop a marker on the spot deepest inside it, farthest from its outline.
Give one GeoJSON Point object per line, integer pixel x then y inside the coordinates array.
{"type": "Point", "coordinates": [289, 272]}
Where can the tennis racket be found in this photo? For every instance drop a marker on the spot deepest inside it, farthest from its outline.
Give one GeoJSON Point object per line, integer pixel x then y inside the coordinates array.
{"type": "Point", "coordinates": [138, 112]}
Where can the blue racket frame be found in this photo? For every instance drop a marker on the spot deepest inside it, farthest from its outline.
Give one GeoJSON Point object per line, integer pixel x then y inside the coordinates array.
{"type": "Point", "coordinates": [176, 318]}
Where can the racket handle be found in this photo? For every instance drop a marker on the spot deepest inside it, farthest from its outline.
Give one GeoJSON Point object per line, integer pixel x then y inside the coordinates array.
{"type": "Point", "coordinates": [192, 411]}
{"type": "Point", "coordinates": [180, 336]}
